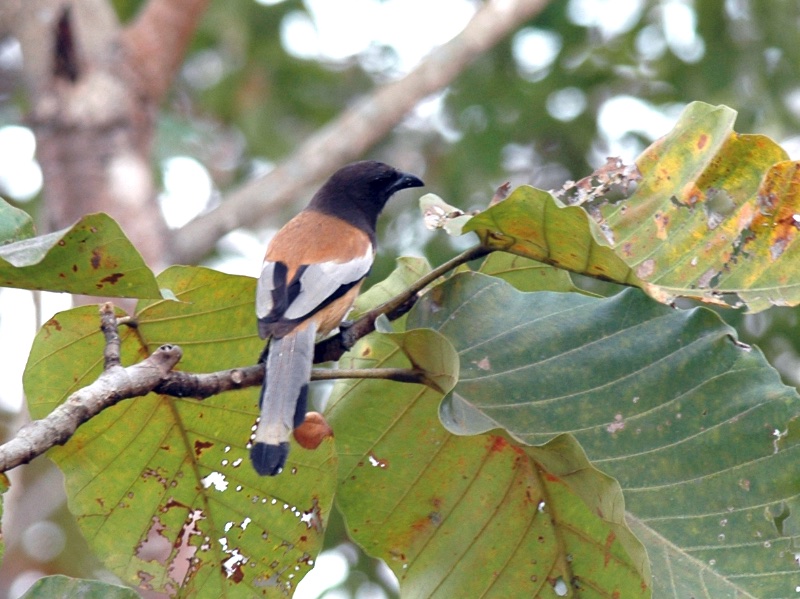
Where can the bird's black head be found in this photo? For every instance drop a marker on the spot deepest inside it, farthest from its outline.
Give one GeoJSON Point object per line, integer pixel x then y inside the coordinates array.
{"type": "Point", "coordinates": [358, 192]}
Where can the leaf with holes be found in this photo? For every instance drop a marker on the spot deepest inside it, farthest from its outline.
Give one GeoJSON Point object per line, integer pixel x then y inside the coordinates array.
{"type": "Point", "coordinates": [471, 516]}
{"type": "Point", "coordinates": [715, 216]}
{"type": "Point", "coordinates": [162, 487]}
{"type": "Point", "coordinates": [93, 257]}
{"type": "Point", "coordinates": [691, 423]}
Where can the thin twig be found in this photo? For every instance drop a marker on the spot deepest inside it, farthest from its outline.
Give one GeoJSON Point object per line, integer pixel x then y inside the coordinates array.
{"type": "Point", "coordinates": [332, 348]}
{"type": "Point", "coordinates": [112, 386]}
{"type": "Point", "coordinates": [203, 385]}
{"type": "Point", "coordinates": [353, 132]}
{"type": "Point", "coordinates": [156, 374]}
{"type": "Point", "coordinates": [109, 326]}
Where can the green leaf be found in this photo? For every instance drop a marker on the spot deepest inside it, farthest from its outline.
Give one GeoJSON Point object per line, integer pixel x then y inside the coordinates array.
{"type": "Point", "coordinates": [93, 257]}
{"type": "Point", "coordinates": [678, 574]}
{"type": "Point", "coordinates": [526, 274]}
{"type": "Point", "coordinates": [75, 588]}
{"type": "Point", "coordinates": [690, 422]}
{"type": "Point", "coordinates": [157, 481]}
{"type": "Point", "coordinates": [408, 271]}
{"type": "Point", "coordinates": [564, 457]}
{"type": "Point", "coordinates": [15, 224]}
{"type": "Point", "coordinates": [431, 353]}
{"type": "Point", "coordinates": [470, 516]}
{"type": "Point", "coordinates": [534, 224]}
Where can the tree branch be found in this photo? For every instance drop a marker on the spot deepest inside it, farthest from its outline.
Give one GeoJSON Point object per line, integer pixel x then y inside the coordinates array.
{"type": "Point", "coordinates": [353, 132]}
{"type": "Point", "coordinates": [112, 386]}
{"type": "Point", "coordinates": [332, 348]}
{"type": "Point", "coordinates": [156, 374]}
{"type": "Point", "coordinates": [156, 42]}
{"type": "Point", "coordinates": [400, 375]}
{"type": "Point", "coordinates": [108, 324]}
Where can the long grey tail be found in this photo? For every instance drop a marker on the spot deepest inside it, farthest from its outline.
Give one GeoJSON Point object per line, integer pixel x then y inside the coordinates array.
{"type": "Point", "coordinates": [283, 398]}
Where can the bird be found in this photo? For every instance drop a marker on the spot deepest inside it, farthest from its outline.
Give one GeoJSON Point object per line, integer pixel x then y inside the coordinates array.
{"type": "Point", "coordinates": [312, 271]}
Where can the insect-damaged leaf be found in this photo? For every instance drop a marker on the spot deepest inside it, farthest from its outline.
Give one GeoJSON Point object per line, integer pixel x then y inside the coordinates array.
{"type": "Point", "coordinates": [715, 216]}
{"type": "Point", "coordinates": [691, 423]}
{"type": "Point", "coordinates": [162, 487]}
{"type": "Point", "coordinates": [93, 257]}
{"type": "Point", "coordinates": [472, 516]}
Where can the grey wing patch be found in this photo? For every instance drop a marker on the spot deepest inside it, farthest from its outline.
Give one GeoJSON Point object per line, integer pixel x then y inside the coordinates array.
{"type": "Point", "coordinates": [322, 280]}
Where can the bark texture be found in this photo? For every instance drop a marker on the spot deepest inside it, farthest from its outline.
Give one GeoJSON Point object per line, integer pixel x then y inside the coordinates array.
{"type": "Point", "coordinates": [95, 88]}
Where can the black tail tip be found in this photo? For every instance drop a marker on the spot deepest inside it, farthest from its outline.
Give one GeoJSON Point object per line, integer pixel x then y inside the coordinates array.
{"type": "Point", "coordinates": [268, 460]}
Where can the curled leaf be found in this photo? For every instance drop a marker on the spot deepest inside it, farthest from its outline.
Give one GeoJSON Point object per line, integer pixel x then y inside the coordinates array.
{"type": "Point", "coordinates": [438, 214]}
{"type": "Point", "coordinates": [715, 216]}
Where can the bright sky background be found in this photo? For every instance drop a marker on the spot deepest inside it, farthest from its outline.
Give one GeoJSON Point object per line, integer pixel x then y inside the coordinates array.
{"type": "Point", "coordinates": [329, 33]}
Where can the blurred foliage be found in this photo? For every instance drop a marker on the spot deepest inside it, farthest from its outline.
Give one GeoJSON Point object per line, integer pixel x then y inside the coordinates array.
{"type": "Point", "coordinates": [274, 99]}
{"type": "Point", "coordinates": [62, 586]}
{"type": "Point", "coordinates": [239, 74]}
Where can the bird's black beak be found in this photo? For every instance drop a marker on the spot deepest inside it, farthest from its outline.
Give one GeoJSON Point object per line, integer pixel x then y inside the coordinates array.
{"type": "Point", "coordinates": [404, 182]}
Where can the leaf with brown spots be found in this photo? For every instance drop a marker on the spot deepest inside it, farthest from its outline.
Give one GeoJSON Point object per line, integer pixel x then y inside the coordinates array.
{"type": "Point", "coordinates": [715, 216]}
{"type": "Point", "coordinates": [534, 224]}
{"type": "Point", "coordinates": [93, 257]}
{"type": "Point", "coordinates": [697, 428]}
{"type": "Point", "coordinates": [469, 516]}
{"type": "Point", "coordinates": [162, 487]}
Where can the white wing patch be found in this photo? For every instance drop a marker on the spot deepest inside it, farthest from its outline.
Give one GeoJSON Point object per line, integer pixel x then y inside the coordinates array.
{"type": "Point", "coordinates": [319, 281]}
{"type": "Point", "coordinates": [264, 288]}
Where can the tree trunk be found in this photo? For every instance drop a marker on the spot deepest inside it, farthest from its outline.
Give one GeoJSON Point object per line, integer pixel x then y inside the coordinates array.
{"type": "Point", "coordinates": [95, 89]}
